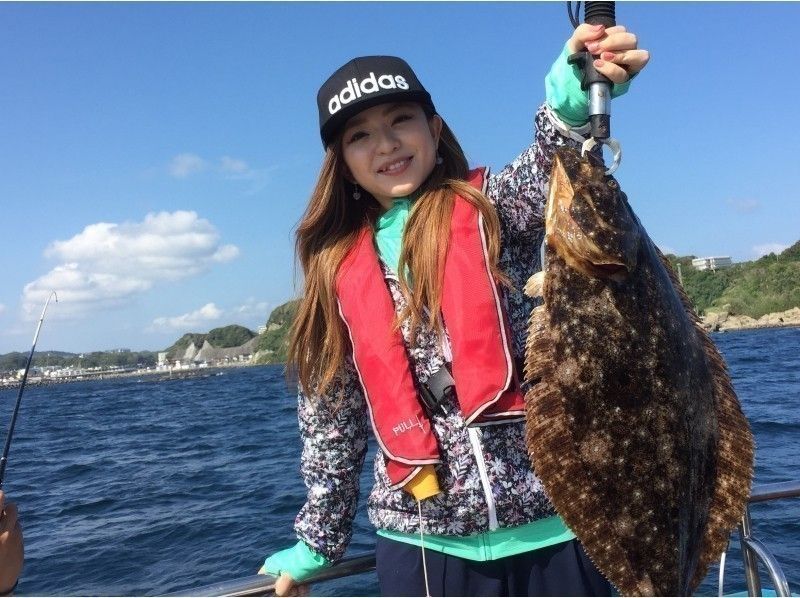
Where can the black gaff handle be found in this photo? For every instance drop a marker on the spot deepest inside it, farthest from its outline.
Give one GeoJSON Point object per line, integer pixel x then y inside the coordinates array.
{"type": "Point", "coordinates": [598, 86]}
{"type": "Point", "coordinates": [600, 13]}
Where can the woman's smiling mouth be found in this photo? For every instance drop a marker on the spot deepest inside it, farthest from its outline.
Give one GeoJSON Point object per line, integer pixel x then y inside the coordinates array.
{"type": "Point", "coordinates": [396, 167]}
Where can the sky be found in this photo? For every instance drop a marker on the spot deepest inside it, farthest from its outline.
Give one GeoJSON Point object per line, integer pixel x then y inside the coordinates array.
{"type": "Point", "coordinates": [155, 159]}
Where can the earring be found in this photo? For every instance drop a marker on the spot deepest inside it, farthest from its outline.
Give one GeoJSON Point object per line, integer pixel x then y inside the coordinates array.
{"type": "Point", "coordinates": [356, 193]}
{"type": "Point", "coordinates": [439, 159]}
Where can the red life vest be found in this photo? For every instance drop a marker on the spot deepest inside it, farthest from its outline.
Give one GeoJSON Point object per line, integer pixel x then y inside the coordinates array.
{"type": "Point", "coordinates": [483, 368]}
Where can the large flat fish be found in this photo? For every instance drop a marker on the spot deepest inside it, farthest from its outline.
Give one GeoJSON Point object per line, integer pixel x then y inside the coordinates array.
{"type": "Point", "coordinates": [632, 422]}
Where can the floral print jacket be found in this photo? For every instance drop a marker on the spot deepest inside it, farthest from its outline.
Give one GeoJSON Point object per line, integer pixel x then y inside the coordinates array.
{"type": "Point", "coordinates": [485, 475]}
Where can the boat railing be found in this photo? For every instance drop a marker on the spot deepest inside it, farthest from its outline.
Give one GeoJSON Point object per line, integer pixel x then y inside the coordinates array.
{"type": "Point", "coordinates": [264, 585]}
{"type": "Point", "coordinates": [753, 552]}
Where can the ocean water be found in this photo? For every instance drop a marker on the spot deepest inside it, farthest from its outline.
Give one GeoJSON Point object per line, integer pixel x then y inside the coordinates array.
{"type": "Point", "coordinates": [137, 487]}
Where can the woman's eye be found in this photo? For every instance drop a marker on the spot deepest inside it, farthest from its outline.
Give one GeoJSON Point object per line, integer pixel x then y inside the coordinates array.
{"type": "Point", "coordinates": [402, 117]}
{"type": "Point", "coordinates": [356, 136]}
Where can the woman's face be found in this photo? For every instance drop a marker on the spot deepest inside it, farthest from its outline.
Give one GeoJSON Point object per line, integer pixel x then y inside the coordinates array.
{"type": "Point", "coordinates": [390, 149]}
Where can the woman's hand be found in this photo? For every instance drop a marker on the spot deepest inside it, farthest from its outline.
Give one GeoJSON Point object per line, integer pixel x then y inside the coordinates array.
{"type": "Point", "coordinates": [296, 562]}
{"type": "Point", "coordinates": [285, 585]}
{"type": "Point", "coordinates": [619, 57]}
{"type": "Point", "coordinates": [12, 552]}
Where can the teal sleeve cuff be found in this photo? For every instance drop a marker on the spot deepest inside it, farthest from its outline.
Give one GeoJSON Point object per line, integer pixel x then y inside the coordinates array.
{"type": "Point", "coordinates": [564, 94]}
{"type": "Point", "coordinates": [299, 561]}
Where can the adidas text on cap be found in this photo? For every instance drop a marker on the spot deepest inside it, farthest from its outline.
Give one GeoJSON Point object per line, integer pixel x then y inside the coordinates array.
{"type": "Point", "coordinates": [362, 83]}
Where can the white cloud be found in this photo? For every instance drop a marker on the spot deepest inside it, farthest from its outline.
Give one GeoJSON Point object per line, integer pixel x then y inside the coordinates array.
{"type": "Point", "coordinates": [194, 319]}
{"type": "Point", "coordinates": [238, 170]}
{"type": "Point", "coordinates": [107, 264]}
{"type": "Point", "coordinates": [183, 165]}
{"type": "Point", "coordinates": [2, 308]}
{"type": "Point", "coordinates": [767, 248]}
{"type": "Point", "coordinates": [252, 309]}
{"type": "Point", "coordinates": [233, 165]}
{"type": "Point", "coordinates": [79, 290]}
{"type": "Point", "coordinates": [251, 313]}
{"type": "Point", "coordinates": [745, 206]}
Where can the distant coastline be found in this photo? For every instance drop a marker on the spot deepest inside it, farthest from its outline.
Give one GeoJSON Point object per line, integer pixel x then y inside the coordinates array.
{"type": "Point", "coordinates": [151, 375]}
{"type": "Point", "coordinates": [721, 321]}
{"type": "Point", "coordinates": [270, 347]}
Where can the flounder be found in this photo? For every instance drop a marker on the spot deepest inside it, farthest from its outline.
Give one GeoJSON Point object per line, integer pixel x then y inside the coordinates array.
{"type": "Point", "coordinates": [632, 421]}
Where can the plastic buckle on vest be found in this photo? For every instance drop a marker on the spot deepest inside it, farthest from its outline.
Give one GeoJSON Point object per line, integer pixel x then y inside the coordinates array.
{"type": "Point", "coordinates": [428, 400]}
{"type": "Point", "coordinates": [439, 386]}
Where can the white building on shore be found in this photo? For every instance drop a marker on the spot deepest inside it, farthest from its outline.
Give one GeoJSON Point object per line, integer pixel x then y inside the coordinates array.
{"type": "Point", "coordinates": [712, 263]}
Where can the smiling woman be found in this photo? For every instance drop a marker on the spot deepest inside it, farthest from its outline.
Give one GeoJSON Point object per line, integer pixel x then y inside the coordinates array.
{"type": "Point", "coordinates": [391, 149]}
{"type": "Point", "coordinates": [408, 322]}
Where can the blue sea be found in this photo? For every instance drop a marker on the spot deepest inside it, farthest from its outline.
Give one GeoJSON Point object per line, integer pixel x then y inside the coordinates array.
{"type": "Point", "coordinates": [142, 487]}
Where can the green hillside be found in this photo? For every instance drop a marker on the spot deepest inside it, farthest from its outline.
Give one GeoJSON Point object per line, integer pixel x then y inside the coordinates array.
{"type": "Point", "coordinates": [274, 342]}
{"type": "Point", "coordinates": [767, 285]}
{"type": "Point", "coordinates": [229, 336]}
{"type": "Point", "coordinates": [221, 338]}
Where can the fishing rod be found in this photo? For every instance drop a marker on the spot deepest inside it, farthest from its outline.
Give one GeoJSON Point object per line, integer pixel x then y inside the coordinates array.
{"type": "Point", "coordinates": [4, 458]}
{"type": "Point", "coordinates": [596, 84]}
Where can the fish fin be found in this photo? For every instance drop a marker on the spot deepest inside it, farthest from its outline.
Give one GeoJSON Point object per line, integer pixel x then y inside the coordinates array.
{"type": "Point", "coordinates": [537, 346]}
{"type": "Point", "coordinates": [535, 285]}
{"type": "Point", "coordinates": [676, 284]}
{"type": "Point", "coordinates": [552, 452]}
{"type": "Point", "coordinates": [735, 447]}
{"type": "Point", "coordinates": [735, 450]}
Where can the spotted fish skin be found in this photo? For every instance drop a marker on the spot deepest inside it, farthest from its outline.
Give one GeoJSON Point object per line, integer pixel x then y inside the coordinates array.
{"type": "Point", "coordinates": [632, 423]}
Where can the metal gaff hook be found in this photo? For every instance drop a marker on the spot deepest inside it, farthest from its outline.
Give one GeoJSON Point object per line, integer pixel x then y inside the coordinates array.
{"type": "Point", "coordinates": [613, 145]}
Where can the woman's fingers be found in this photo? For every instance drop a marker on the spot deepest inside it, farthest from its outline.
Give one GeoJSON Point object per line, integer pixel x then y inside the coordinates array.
{"type": "Point", "coordinates": [582, 35]}
{"type": "Point", "coordinates": [618, 42]}
{"type": "Point", "coordinates": [632, 61]}
{"type": "Point", "coordinates": [585, 34]}
{"type": "Point", "coordinates": [619, 56]}
{"type": "Point", "coordinates": [614, 72]}
{"type": "Point", "coordinates": [8, 520]}
{"type": "Point", "coordinates": [284, 586]}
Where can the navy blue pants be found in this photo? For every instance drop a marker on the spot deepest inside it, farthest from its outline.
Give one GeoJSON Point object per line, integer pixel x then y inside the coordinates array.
{"type": "Point", "coordinates": [560, 570]}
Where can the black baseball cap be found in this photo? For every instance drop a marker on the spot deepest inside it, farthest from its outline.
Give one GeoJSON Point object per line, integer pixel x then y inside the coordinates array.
{"type": "Point", "coordinates": [362, 83]}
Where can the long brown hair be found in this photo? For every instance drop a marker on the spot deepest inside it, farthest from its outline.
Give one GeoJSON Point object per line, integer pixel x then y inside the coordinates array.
{"type": "Point", "coordinates": [330, 227]}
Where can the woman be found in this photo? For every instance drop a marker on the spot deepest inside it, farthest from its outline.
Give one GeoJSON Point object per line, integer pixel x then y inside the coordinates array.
{"type": "Point", "coordinates": [413, 323]}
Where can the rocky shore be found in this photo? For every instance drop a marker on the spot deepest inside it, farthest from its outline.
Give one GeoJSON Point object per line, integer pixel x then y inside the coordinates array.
{"type": "Point", "coordinates": [722, 320]}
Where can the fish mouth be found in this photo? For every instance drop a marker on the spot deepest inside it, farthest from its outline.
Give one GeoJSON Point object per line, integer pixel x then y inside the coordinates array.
{"type": "Point", "coordinates": [613, 271]}
{"type": "Point", "coordinates": [587, 219]}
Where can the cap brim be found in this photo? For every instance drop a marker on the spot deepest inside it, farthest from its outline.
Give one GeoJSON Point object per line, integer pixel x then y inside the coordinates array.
{"type": "Point", "coordinates": [334, 125]}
